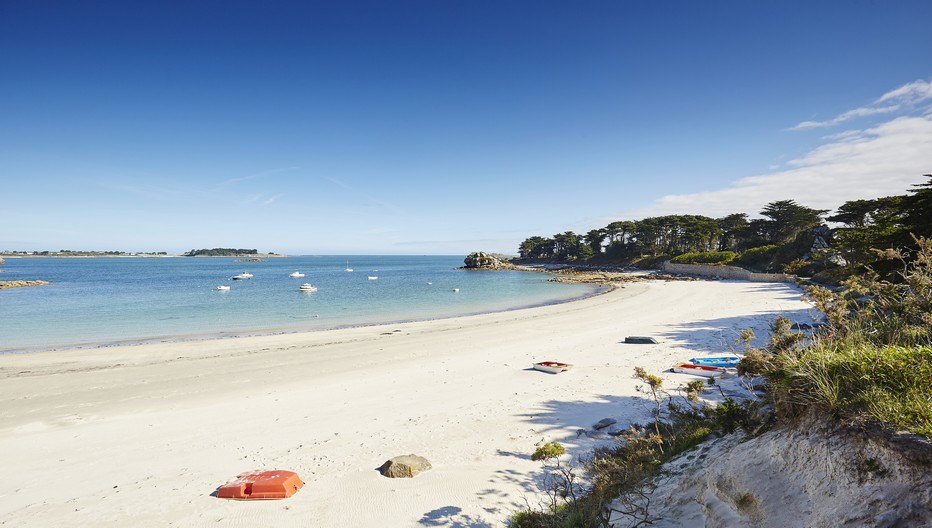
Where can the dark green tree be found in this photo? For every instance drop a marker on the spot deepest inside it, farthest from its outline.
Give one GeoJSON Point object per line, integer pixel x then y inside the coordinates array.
{"type": "Point", "coordinates": [619, 232]}
{"type": "Point", "coordinates": [917, 209]}
{"type": "Point", "coordinates": [536, 247]}
{"type": "Point", "coordinates": [566, 245]}
{"type": "Point", "coordinates": [868, 225]}
{"type": "Point", "coordinates": [787, 219]}
{"type": "Point", "coordinates": [594, 239]}
{"type": "Point", "coordinates": [734, 229]}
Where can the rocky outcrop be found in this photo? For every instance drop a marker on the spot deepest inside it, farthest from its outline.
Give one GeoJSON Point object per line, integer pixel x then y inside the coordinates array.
{"type": "Point", "coordinates": [405, 466]}
{"type": "Point", "coordinates": [485, 261]}
{"type": "Point", "coordinates": [813, 474]}
{"type": "Point", "coordinates": [20, 284]}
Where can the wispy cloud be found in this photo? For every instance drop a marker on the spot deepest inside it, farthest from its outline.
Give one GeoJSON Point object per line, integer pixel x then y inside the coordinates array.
{"type": "Point", "coordinates": [847, 116]}
{"type": "Point", "coordinates": [914, 92]}
{"type": "Point", "coordinates": [264, 198]}
{"type": "Point", "coordinates": [262, 174]}
{"type": "Point", "coordinates": [883, 160]}
{"type": "Point", "coordinates": [906, 97]}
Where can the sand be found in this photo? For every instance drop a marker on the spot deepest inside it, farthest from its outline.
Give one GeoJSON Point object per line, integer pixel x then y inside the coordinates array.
{"type": "Point", "coordinates": [143, 435]}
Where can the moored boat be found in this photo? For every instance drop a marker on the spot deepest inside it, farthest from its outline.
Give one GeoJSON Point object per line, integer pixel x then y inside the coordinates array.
{"type": "Point", "coordinates": [699, 370]}
{"type": "Point", "coordinates": [223, 288]}
{"type": "Point", "coordinates": [552, 367]}
{"type": "Point", "coordinates": [243, 275]}
{"type": "Point", "coordinates": [307, 287]}
{"type": "Point", "coordinates": [296, 275]}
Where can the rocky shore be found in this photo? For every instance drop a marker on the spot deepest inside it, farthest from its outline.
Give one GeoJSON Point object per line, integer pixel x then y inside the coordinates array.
{"type": "Point", "coordinates": [568, 273]}
{"type": "Point", "coordinates": [4, 285]}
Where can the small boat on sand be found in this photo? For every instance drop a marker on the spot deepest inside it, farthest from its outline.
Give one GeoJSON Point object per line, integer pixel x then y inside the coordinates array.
{"type": "Point", "coordinates": [296, 275]}
{"type": "Point", "coordinates": [553, 367]}
{"type": "Point", "coordinates": [641, 340]}
{"type": "Point", "coordinates": [699, 370]}
{"type": "Point", "coordinates": [262, 485]}
{"type": "Point", "coordinates": [307, 287]}
{"type": "Point", "coordinates": [720, 361]}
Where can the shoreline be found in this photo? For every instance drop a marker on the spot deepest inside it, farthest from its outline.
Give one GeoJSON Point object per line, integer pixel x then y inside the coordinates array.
{"type": "Point", "coordinates": [92, 345]}
{"type": "Point", "coordinates": [145, 434]}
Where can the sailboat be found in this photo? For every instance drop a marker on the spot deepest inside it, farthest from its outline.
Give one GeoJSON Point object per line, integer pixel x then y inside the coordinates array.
{"type": "Point", "coordinates": [348, 269]}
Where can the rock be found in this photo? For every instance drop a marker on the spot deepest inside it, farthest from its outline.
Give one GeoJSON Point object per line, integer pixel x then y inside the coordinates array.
{"type": "Point", "coordinates": [887, 519]}
{"type": "Point", "coordinates": [603, 423]}
{"type": "Point", "coordinates": [21, 284]}
{"type": "Point", "coordinates": [405, 466]}
{"type": "Point", "coordinates": [484, 261]}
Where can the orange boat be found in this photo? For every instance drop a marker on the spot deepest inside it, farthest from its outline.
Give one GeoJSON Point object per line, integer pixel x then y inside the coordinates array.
{"type": "Point", "coordinates": [273, 484]}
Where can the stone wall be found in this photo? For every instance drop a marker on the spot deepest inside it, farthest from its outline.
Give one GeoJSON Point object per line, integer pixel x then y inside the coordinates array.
{"type": "Point", "coordinates": [726, 272]}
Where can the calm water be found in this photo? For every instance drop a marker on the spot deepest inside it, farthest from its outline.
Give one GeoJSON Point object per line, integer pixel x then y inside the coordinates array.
{"type": "Point", "coordinates": [111, 300]}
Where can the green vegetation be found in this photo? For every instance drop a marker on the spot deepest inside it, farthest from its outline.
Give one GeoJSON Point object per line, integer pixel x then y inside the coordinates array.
{"type": "Point", "coordinates": [715, 258]}
{"type": "Point", "coordinates": [871, 362]}
{"type": "Point", "coordinates": [757, 259]}
{"type": "Point", "coordinates": [787, 237]}
{"type": "Point", "coordinates": [221, 252]}
{"type": "Point", "coordinates": [889, 384]}
{"type": "Point", "coordinates": [620, 477]}
{"type": "Point", "coordinates": [548, 451]}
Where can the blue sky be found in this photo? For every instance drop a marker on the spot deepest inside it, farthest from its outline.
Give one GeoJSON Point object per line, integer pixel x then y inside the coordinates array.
{"type": "Point", "coordinates": [443, 126]}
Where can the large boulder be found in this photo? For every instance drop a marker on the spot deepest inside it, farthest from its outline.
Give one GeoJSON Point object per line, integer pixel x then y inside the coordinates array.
{"type": "Point", "coordinates": [405, 466]}
{"type": "Point", "coordinates": [484, 261]}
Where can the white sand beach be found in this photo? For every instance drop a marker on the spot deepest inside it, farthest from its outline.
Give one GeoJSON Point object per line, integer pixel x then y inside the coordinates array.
{"type": "Point", "coordinates": [143, 435]}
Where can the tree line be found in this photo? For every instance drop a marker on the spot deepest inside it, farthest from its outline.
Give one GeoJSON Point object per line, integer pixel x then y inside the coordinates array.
{"type": "Point", "coordinates": [783, 235]}
{"type": "Point", "coordinates": [220, 252]}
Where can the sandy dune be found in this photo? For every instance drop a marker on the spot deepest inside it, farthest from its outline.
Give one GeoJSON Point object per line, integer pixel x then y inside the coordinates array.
{"type": "Point", "coordinates": [142, 435]}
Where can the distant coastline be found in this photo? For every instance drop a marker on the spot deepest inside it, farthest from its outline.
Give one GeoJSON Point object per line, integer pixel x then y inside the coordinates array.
{"type": "Point", "coordinates": [90, 254]}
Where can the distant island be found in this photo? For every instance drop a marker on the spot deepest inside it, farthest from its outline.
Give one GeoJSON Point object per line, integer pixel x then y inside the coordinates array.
{"type": "Point", "coordinates": [73, 253]}
{"type": "Point", "coordinates": [225, 252]}
{"type": "Point", "coordinates": [70, 253]}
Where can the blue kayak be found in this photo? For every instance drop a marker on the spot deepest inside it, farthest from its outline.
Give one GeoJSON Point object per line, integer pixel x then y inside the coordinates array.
{"type": "Point", "coordinates": [720, 361]}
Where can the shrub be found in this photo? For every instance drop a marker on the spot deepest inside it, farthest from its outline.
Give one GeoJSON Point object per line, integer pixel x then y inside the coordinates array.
{"type": "Point", "coordinates": [729, 415]}
{"type": "Point", "coordinates": [890, 384]}
{"type": "Point", "coordinates": [712, 258]}
{"type": "Point", "coordinates": [799, 267]}
{"type": "Point", "coordinates": [548, 451]}
{"type": "Point", "coordinates": [758, 258]}
{"type": "Point", "coordinates": [653, 262]}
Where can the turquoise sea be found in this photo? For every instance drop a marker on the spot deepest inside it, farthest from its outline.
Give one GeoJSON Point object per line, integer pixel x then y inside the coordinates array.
{"type": "Point", "coordinates": [102, 301]}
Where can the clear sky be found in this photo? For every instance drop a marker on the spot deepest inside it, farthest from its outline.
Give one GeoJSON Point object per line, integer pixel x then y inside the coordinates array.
{"type": "Point", "coordinates": [443, 126]}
